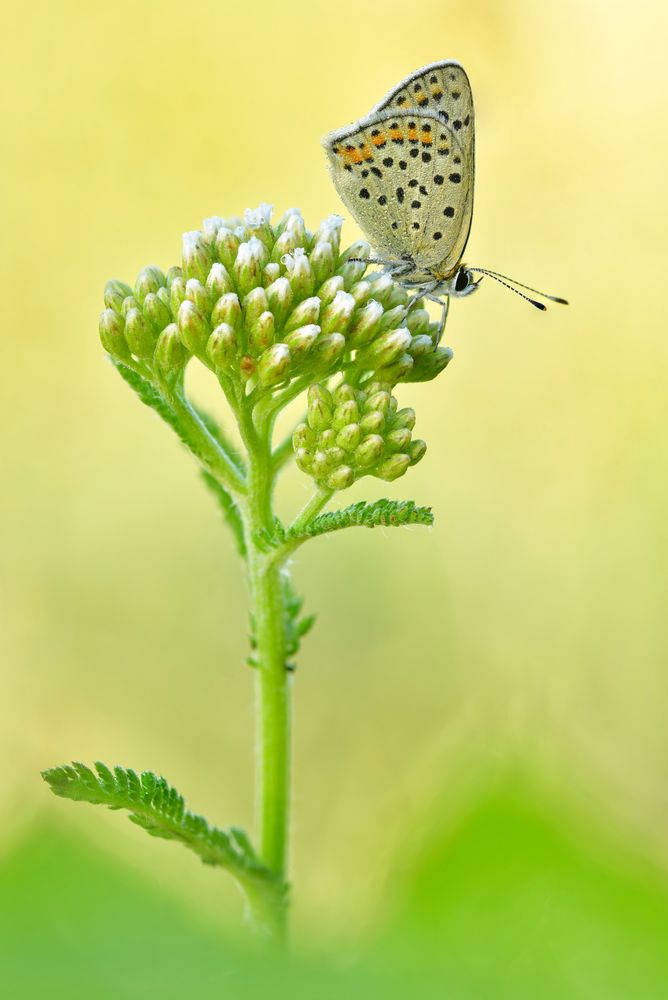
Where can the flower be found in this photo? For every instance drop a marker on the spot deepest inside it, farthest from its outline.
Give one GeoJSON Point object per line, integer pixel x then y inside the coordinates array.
{"type": "Point", "coordinates": [264, 304]}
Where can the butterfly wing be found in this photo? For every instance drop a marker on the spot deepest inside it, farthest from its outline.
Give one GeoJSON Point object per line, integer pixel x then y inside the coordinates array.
{"type": "Point", "coordinates": [406, 179]}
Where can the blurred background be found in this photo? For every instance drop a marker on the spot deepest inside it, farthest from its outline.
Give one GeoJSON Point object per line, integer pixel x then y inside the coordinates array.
{"type": "Point", "coordinates": [481, 764]}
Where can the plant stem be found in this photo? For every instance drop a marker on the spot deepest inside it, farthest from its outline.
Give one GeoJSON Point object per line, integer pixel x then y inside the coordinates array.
{"type": "Point", "coordinates": [272, 689]}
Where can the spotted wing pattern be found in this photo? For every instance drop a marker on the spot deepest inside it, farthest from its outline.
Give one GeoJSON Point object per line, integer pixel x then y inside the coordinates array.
{"type": "Point", "coordinates": [405, 178]}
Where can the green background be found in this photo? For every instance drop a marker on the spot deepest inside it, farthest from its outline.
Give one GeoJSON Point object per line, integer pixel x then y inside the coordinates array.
{"type": "Point", "coordinates": [481, 759]}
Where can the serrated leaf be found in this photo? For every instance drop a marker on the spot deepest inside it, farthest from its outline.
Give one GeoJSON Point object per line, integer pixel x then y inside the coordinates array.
{"type": "Point", "coordinates": [160, 810]}
{"type": "Point", "coordinates": [388, 513]}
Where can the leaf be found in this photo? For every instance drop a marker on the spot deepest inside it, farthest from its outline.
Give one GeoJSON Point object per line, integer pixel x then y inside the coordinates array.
{"type": "Point", "coordinates": [388, 513]}
{"type": "Point", "coordinates": [160, 810]}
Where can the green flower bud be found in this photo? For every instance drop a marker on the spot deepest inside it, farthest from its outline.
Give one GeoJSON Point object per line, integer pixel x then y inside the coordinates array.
{"type": "Point", "coordinates": [420, 345]}
{"type": "Point", "coordinates": [193, 327]}
{"type": "Point", "coordinates": [327, 438]}
{"type": "Point", "coordinates": [329, 231]}
{"type": "Point", "coordinates": [381, 288]}
{"type": "Point", "coordinates": [366, 324]}
{"type": "Point", "coordinates": [429, 366]}
{"type": "Point", "coordinates": [393, 467]}
{"type": "Point", "coordinates": [302, 340]}
{"type": "Point", "coordinates": [320, 465]}
{"type": "Point", "coordinates": [349, 437]}
{"type": "Point", "coordinates": [211, 225]}
{"type": "Point", "coordinates": [171, 274]}
{"type": "Point", "coordinates": [385, 349]}
{"type": "Point", "coordinates": [392, 318]}
{"type": "Point", "coordinates": [271, 272]}
{"type": "Point", "coordinates": [261, 334]}
{"type": "Point", "coordinates": [286, 244]}
{"type": "Point", "coordinates": [218, 281]}
{"type": "Point", "coordinates": [283, 222]}
{"type": "Point", "coordinates": [337, 315]}
{"type": "Point", "coordinates": [303, 437]}
{"type": "Point", "coordinates": [343, 393]}
{"type": "Point", "coordinates": [139, 335]}
{"type": "Point", "coordinates": [177, 294]}
{"type": "Point", "coordinates": [351, 273]}
{"type": "Point", "coordinates": [128, 304]}
{"type": "Point", "coordinates": [329, 289]}
{"type": "Point", "coordinates": [114, 294]}
{"type": "Point", "coordinates": [279, 297]}
{"type": "Point", "coordinates": [227, 310]}
{"type": "Point", "coordinates": [398, 440]}
{"type": "Point", "coordinates": [222, 346]}
{"type": "Point", "coordinates": [345, 413]}
{"type": "Point", "coordinates": [300, 274]}
{"type": "Point", "coordinates": [341, 478]}
{"type": "Point", "coordinates": [378, 401]}
{"type": "Point", "coordinates": [335, 455]}
{"type": "Point", "coordinates": [258, 223]}
{"type": "Point", "coordinates": [304, 459]}
{"type": "Point", "coordinates": [227, 244]}
{"type": "Point", "coordinates": [417, 321]}
{"type": "Point", "coordinates": [361, 292]}
{"type": "Point", "coordinates": [326, 351]}
{"type": "Point", "coordinates": [170, 354]}
{"type": "Point", "coordinates": [156, 312]}
{"type": "Point", "coordinates": [398, 296]}
{"type": "Point", "coordinates": [149, 279]}
{"type": "Point", "coordinates": [369, 451]}
{"type": "Point", "coordinates": [112, 327]}
{"type": "Point", "coordinates": [319, 407]}
{"type": "Point", "coordinates": [306, 312]}
{"type": "Point", "coordinates": [399, 370]}
{"type": "Point", "coordinates": [404, 418]}
{"type": "Point", "coordinates": [196, 256]}
{"type": "Point", "coordinates": [416, 451]}
{"type": "Point", "coordinates": [251, 258]}
{"type": "Point", "coordinates": [356, 251]}
{"type": "Point", "coordinates": [322, 262]}
{"type": "Point", "coordinates": [199, 296]}
{"type": "Point", "coordinates": [255, 303]}
{"type": "Point", "coordinates": [373, 422]}
{"type": "Point", "coordinates": [274, 364]}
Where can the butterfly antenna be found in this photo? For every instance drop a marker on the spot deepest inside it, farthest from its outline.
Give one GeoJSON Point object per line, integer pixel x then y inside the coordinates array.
{"type": "Point", "coordinates": [503, 278]}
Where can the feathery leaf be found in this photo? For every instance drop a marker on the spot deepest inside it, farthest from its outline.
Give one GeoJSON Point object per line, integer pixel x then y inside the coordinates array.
{"type": "Point", "coordinates": [160, 810]}
{"type": "Point", "coordinates": [389, 513]}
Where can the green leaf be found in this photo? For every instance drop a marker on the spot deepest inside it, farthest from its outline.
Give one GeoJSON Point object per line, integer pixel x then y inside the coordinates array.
{"type": "Point", "coordinates": [389, 513]}
{"type": "Point", "coordinates": [160, 810]}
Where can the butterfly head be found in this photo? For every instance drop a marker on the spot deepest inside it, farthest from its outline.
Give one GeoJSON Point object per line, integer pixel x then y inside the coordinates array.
{"type": "Point", "coordinates": [460, 284]}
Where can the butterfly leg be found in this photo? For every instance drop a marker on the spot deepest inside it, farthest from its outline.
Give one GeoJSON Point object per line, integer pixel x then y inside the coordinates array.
{"type": "Point", "coordinates": [444, 303]}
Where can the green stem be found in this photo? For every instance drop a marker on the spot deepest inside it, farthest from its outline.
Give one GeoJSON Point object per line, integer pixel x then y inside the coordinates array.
{"type": "Point", "coordinates": [272, 688]}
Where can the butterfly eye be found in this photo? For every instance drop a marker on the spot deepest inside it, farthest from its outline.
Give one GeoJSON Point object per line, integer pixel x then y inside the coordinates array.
{"type": "Point", "coordinates": [462, 281]}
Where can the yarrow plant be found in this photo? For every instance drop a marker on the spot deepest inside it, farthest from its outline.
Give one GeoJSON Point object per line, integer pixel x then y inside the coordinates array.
{"type": "Point", "coordinates": [275, 312]}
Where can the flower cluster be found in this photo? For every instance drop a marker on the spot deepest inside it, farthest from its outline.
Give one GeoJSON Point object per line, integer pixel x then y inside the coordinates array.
{"type": "Point", "coordinates": [262, 304]}
{"type": "Point", "coordinates": [353, 432]}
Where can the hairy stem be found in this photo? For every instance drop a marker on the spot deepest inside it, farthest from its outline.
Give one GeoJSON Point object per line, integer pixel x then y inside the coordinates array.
{"type": "Point", "coordinates": [272, 694]}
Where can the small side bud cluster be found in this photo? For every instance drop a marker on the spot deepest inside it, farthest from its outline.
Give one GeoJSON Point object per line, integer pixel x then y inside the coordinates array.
{"type": "Point", "coordinates": [350, 433]}
{"type": "Point", "coordinates": [262, 304]}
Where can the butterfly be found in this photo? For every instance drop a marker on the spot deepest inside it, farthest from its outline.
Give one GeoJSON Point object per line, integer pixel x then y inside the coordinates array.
{"type": "Point", "coordinates": [406, 173]}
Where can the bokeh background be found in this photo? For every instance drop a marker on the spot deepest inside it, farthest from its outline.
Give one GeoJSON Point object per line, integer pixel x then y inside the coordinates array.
{"type": "Point", "coordinates": [481, 755]}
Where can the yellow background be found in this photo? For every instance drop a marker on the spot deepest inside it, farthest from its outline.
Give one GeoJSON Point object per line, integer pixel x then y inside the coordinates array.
{"type": "Point", "coordinates": [527, 630]}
